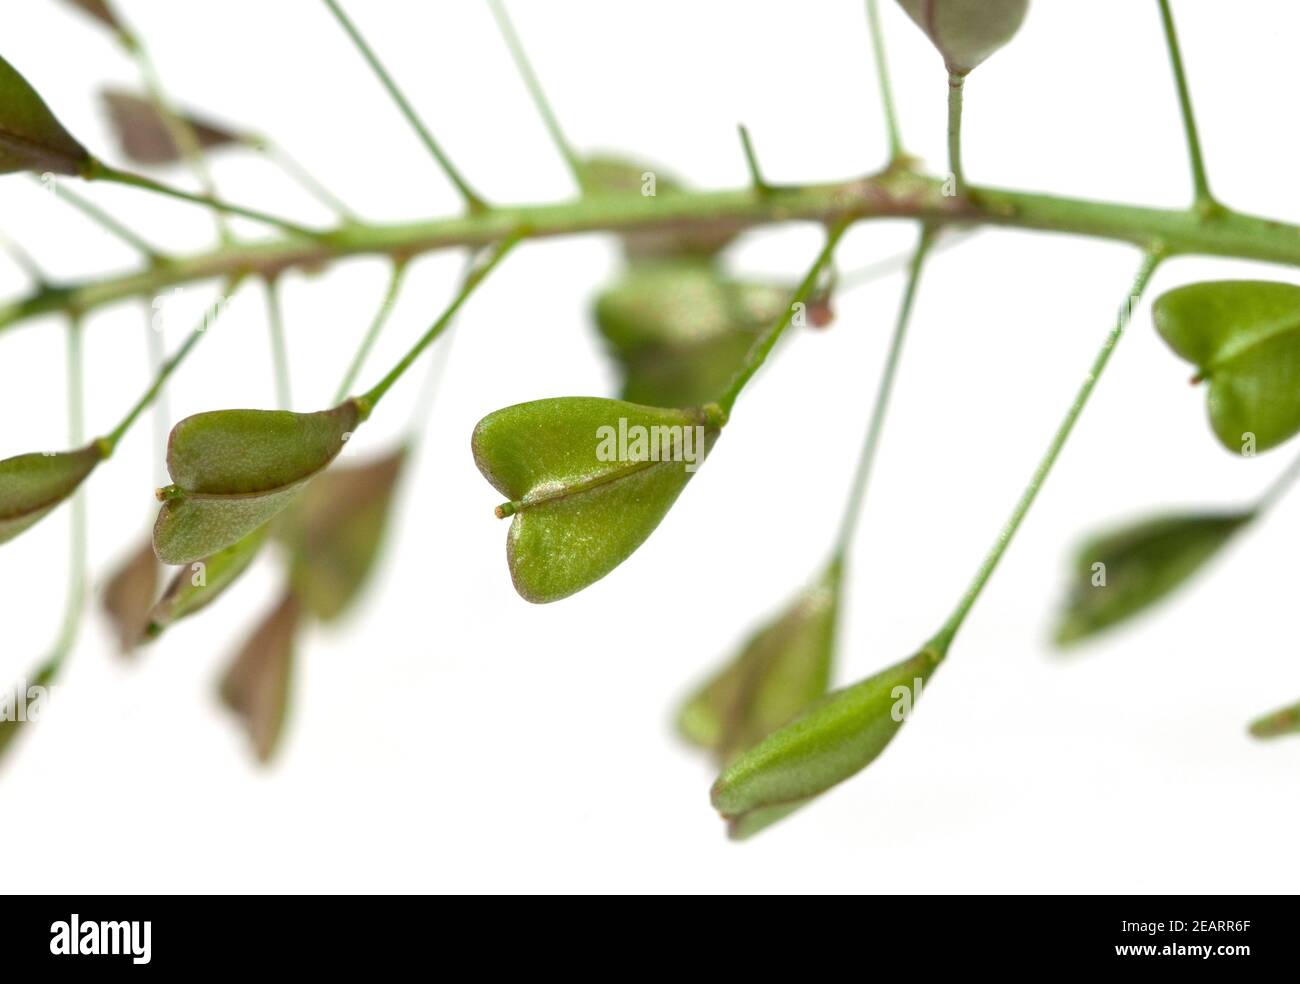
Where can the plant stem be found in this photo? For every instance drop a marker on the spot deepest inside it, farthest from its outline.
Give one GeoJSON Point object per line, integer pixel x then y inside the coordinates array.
{"type": "Point", "coordinates": [1204, 199]}
{"type": "Point", "coordinates": [858, 488]}
{"type": "Point", "coordinates": [99, 171]}
{"type": "Point", "coordinates": [751, 162]}
{"type": "Point", "coordinates": [76, 591]}
{"type": "Point", "coordinates": [279, 351]}
{"type": "Point", "coordinates": [372, 333]}
{"type": "Point", "coordinates": [535, 90]}
{"type": "Point", "coordinates": [371, 398]}
{"type": "Point", "coordinates": [109, 441]}
{"type": "Point", "coordinates": [472, 200]}
{"type": "Point", "coordinates": [1280, 486]}
{"type": "Point", "coordinates": [161, 414]}
{"type": "Point", "coordinates": [945, 635]}
{"type": "Point", "coordinates": [955, 85]}
{"type": "Point", "coordinates": [758, 353]}
{"type": "Point", "coordinates": [109, 224]}
{"type": "Point", "coordinates": [290, 165]}
{"type": "Point", "coordinates": [893, 194]}
{"type": "Point", "coordinates": [896, 152]}
{"type": "Point", "coordinates": [178, 127]}
{"type": "Point", "coordinates": [25, 261]}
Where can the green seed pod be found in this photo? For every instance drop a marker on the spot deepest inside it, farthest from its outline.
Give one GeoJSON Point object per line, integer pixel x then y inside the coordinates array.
{"type": "Point", "coordinates": [31, 485]}
{"type": "Point", "coordinates": [833, 740]}
{"type": "Point", "coordinates": [610, 175]}
{"type": "Point", "coordinates": [256, 686]}
{"type": "Point", "coordinates": [198, 585]}
{"type": "Point", "coordinates": [335, 532]}
{"type": "Point", "coordinates": [1277, 724]}
{"type": "Point", "coordinates": [234, 470]}
{"type": "Point", "coordinates": [1243, 336]}
{"type": "Point", "coordinates": [130, 594]}
{"type": "Point", "coordinates": [589, 479]}
{"type": "Point", "coordinates": [31, 139]}
{"type": "Point", "coordinates": [679, 329]}
{"type": "Point", "coordinates": [967, 31]}
{"type": "Point", "coordinates": [145, 137]}
{"type": "Point", "coordinates": [780, 671]}
{"type": "Point", "coordinates": [1122, 573]}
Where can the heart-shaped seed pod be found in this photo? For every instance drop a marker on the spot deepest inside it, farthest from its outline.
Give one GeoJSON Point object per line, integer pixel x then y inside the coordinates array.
{"type": "Point", "coordinates": [31, 138]}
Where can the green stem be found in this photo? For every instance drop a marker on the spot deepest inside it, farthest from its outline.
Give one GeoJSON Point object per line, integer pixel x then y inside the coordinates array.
{"type": "Point", "coordinates": [161, 413]}
{"type": "Point", "coordinates": [894, 194]}
{"type": "Point", "coordinates": [371, 398]}
{"type": "Point", "coordinates": [372, 333]}
{"type": "Point", "coordinates": [955, 85]}
{"type": "Point", "coordinates": [1204, 199]}
{"type": "Point", "coordinates": [535, 90]}
{"type": "Point", "coordinates": [1280, 486]}
{"type": "Point", "coordinates": [751, 162]}
{"type": "Point", "coordinates": [858, 488]}
{"type": "Point", "coordinates": [437, 369]}
{"type": "Point", "coordinates": [99, 171]}
{"type": "Point", "coordinates": [290, 165]}
{"type": "Point", "coordinates": [25, 261]}
{"type": "Point", "coordinates": [279, 350]}
{"type": "Point", "coordinates": [109, 224]}
{"type": "Point", "coordinates": [109, 441]}
{"type": "Point", "coordinates": [76, 592]}
{"type": "Point", "coordinates": [472, 200]}
{"type": "Point", "coordinates": [759, 352]}
{"type": "Point", "coordinates": [178, 127]}
{"type": "Point", "coordinates": [945, 635]}
{"type": "Point", "coordinates": [896, 152]}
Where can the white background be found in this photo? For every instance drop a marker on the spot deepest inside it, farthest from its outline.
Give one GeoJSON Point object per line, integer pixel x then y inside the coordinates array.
{"type": "Point", "coordinates": [450, 736]}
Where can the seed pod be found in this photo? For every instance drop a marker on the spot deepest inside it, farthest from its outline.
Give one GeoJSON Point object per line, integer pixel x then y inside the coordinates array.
{"type": "Point", "coordinates": [100, 11]}
{"type": "Point", "coordinates": [11, 726]}
{"type": "Point", "coordinates": [198, 585]}
{"type": "Point", "coordinates": [145, 137]}
{"type": "Point", "coordinates": [31, 139]}
{"type": "Point", "coordinates": [1244, 337]}
{"type": "Point", "coordinates": [832, 741]}
{"type": "Point", "coordinates": [611, 175]}
{"type": "Point", "coordinates": [130, 594]}
{"type": "Point", "coordinates": [1281, 722]}
{"type": "Point", "coordinates": [334, 533]}
{"type": "Point", "coordinates": [256, 686]}
{"type": "Point", "coordinates": [33, 484]}
{"type": "Point", "coordinates": [234, 470]}
{"type": "Point", "coordinates": [967, 31]}
{"type": "Point", "coordinates": [1122, 573]}
{"type": "Point", "coordinates": [680, 329]}
{"type": "Point", "coordinates": [589, 479]}
{"type": "Point", "coordinates": [780, 671]}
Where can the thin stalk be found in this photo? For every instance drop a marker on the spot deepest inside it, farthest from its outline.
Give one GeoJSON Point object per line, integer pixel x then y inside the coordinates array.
{"type": "Point", "coordinates": [858, 488]}
{"type": "Point", "coordinates": [110, 440]}
{"type": "Point", "coordinates": [178, 127]}
{"type": "Point", "coordinates": [472, 200]}
{"type": "Point", "coordinates": [871, 272]}
{"type": "Point", "coordinates": [25, 261]}
{"type": "Point", "coordinates": [535, 90]}
{"type": "Point", "coordinates": [955, 85]}
{"type": "Point", "coordinates": [1280, 486]}
{"type": "Point", "coordinates": [279, 351]}
{"type": "Point", "coordinates": [109, 224]}
{"type": "Point", "coordinates": [99, 171]}
{"type": "Point", "coordinates": [896, 152]}
{"type": "Point", "coordinates": [945, 635]}
{"type": "Point", "coordinates": [437, 369]}
{"type": "Point", "coordinates": [160, 412]}
{"type": "Point", "coordinates": [76, 591]}
{"type": "Point", "coordinates": [290, 165]}
{"type": "Point", "coordinates": [758, 353]}
{"type": "Point", "coordinates": [751, 161]}
{"type": "Point", "coordinates": [1204, 199]}
{"type": "Point", "coordinates": [371, 397]}
{"type": "Point", "coordinates": [372, 333]}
